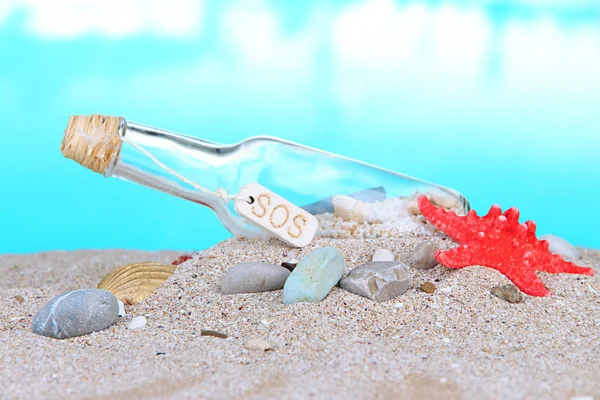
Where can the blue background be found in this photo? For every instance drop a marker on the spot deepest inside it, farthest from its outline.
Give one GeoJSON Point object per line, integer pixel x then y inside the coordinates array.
{"type": "Point", "coordinates": [497, 99]}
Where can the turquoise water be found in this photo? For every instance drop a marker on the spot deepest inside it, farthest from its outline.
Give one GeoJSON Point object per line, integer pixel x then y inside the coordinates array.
{"type": "Point", "coordinates": [500, 101]}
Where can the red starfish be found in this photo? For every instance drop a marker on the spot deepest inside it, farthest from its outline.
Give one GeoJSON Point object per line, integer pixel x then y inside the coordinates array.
{"type": "Point", "coordinates": [498, 241]}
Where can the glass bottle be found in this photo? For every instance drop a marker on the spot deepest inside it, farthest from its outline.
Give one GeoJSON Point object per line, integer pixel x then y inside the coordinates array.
{"type": "Point", "coordinates": [210, 173]}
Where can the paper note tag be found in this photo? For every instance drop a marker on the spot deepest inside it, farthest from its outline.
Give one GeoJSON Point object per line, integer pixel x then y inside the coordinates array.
{"type": "Point", "coordinates": [272, 212]}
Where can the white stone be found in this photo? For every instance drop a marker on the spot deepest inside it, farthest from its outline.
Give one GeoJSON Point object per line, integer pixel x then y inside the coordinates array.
{"type": "Point", "coordinates": [383, 255]}
{"type": "Point", "coordinates": [560, 246]}
{"type": "Point", "coordinates": [257, 345]}
{"type": "Point", "coordinates": [121, 309]}
{"type": "Point", "coordinates": [137, 322]}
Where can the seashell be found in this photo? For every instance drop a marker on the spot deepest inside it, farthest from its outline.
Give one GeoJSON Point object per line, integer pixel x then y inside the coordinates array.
{"type": "Point", "coordinates": [342, 206]}
{"type": "Point", "coordinates": [412, 206]}
{"type": "Point", "coordinates": [437, 197]}
{"type": "Point", "coordinates": [121, 308]}
{"type": "Point", "coordinates": [442, 199]}
{"type": "Point", "coordinates": [132, 283]}
{"type": "Point", "coordinates": [349, 209]}
{"type": "Point", "coordinates": [359, 212]}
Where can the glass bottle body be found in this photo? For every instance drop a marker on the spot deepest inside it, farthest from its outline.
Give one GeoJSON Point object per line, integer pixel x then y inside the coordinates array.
{"type": "Point", "coordinates": [302, 175]}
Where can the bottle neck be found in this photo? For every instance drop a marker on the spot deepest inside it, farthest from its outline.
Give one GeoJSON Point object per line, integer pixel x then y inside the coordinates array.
{"type": "Point", "coordinates": [179, 165]}
{"type": "Point", "coordinates": [149, 153]}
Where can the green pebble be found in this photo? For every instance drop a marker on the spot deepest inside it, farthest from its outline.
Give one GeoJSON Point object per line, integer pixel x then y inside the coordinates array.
{"type": "Point", "coordinates": [315, 276]}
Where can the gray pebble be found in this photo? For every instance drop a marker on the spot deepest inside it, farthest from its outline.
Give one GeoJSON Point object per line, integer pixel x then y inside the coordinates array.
{"type": "Point", "coordinates": [254, 277]}
{"type": "Point", "coordinates": [508, 292]}
{"type": "Point", "coordinates": [422, 256]}
{"type": "Point", "coordinates": [76, 313]}
{"type": "Point", "coordinates": [379, 281]}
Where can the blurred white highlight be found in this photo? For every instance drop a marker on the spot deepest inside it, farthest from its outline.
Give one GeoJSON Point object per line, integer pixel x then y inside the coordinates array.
{"type": "Point", "coordinates": [114, 18]}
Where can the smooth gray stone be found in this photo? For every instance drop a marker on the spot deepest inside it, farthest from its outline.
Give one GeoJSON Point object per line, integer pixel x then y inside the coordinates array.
{"type": "Point", "coordinates": [254, 277]}
{"type": "Point", "coordinates": [76, 313]}
{"type": "Point", "coordinates": [423, 256]}
{"type": "Point", "coordinates": [379, 281]}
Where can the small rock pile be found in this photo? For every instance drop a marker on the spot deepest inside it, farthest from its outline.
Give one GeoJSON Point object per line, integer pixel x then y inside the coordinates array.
{"type": "Point", "coordinates": [84, 311]}
{"type": "Point", "coordinates": [312, 279]}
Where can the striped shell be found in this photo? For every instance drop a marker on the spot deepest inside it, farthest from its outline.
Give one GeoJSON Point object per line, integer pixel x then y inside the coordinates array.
{"type": "Point", "coordinates": [132, 283]}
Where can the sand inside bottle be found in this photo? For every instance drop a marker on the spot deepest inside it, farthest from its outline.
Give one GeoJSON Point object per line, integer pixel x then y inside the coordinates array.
{"type": "Point", "coordinates": [387, 218]}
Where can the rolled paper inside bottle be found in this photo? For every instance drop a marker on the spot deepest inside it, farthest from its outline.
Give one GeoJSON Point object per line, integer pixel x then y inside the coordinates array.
{"type": "Point", "coordinates": [92, 141]}
{"type": "Point", "coordinates": [326, 205]}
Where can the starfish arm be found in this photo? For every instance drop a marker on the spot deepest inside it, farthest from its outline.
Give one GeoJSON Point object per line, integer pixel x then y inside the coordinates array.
{"type": "Point", "coordinates": [512, 216]}
{"type": "Point", "coordinates": [458, 257]}
{"type": "Point", "coordinates": [531, 228]}
{"type": "Point", "coordinates": [464, 256]}
{"type": "Point", "coordinates": [527, 282]}
{"type": "Point", "coordinates": [555, 264]}
{"type": "Point", "coordinates": [494, 213]}
{"type": "Point", "coordinates": [447, 221]}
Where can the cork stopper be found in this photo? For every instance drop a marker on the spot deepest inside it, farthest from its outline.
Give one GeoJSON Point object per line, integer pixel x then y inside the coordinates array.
{"type": "Point", "coordinates": [93, 141]}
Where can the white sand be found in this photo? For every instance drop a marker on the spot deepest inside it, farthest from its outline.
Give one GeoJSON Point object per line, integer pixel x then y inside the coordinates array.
{"type": "Point", "coordinates": [457, 343]}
